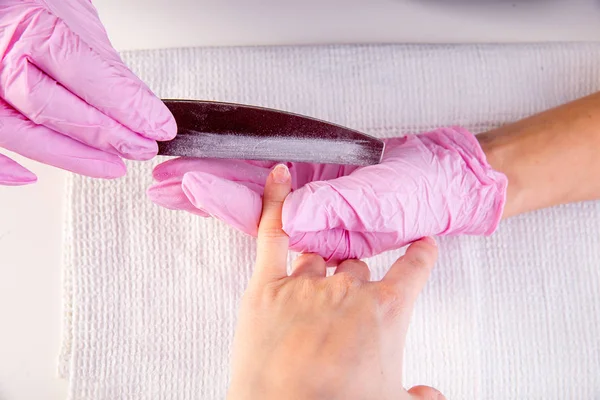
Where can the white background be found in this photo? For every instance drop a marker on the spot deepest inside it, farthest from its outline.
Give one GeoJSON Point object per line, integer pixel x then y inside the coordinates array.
{"type": "Point", "coordinates": [30, 217]}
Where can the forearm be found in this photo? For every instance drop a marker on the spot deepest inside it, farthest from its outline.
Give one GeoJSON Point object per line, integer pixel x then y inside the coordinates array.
{"type": "Point", "coordinates": [551, 158]}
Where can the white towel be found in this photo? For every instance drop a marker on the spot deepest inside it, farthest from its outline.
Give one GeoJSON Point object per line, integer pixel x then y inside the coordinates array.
{"type": "Point", "coordinates": [151, 295]}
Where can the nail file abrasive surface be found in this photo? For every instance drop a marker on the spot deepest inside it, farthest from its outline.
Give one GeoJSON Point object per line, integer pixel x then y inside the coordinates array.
{"type": "Point", "coordinates": [208, 129]}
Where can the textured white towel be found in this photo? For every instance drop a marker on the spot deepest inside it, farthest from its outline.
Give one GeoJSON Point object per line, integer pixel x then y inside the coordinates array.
{"type": "Point", "coordinates": [151, 295]}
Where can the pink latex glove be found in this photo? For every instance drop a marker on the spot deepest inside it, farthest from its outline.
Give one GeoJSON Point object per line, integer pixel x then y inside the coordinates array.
{"type": "Point", "coordinates": [66, 98]}
{"type": "Point", "coordinates": [436, 183]}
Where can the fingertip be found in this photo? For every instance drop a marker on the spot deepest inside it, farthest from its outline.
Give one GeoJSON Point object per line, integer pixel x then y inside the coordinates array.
{"type": "Point", "coordinates": [109, 170]}
{"type": "Point", "coordinates": [169, 194]}
{"type": "Point", "coordinates": [429, 240]}
{"type": "Point", "coordinates": [163, 127]}
{"type": "Point", "coordinates": [156, 193]}
{"type": "Point", "coordinates": [152, 119]}
{"type": "Point", "coordinates": [168, 130]}
{"type": "Point", "coordinates": [423, 252]}
{"type": "Point", "coordinates": [411, 271]}
{"type": "Point", "coordinates": [162, 193]}
{"type": "Point", "coordinates": [422, 392]}
{"type": "Point", "coordinates": [195, 180]}
{"type": "Point", "coordinates": [27, 177]}
{"type": "Point", "coordinates": [195, 186]}
{"type": "Point", "coordinates": [143, 150]}
{"type": "Point", "coordinates": [165, 170]}
{"type": "Point", "coordinates": [200, 188]}
{"type": "Point", "coordinates": [281, 174]}
{"type": "Point", "coordinates": [315, 207]}
{"type": "Point", "coordinates": [30, 179]}
{"type": "Point", "coordinates": [11, 181]}
{"type": "Point", "coordinates": [13, 174]}
{"type": "Point", "coordinates": [231, 202]}
{"type": "Point", "coordinates": [277, 188]}
{"type": "Point", "coordinates": [97, 164]}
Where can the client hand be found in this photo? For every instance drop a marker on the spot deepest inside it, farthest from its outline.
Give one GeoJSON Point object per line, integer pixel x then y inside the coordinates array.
{"type": "Point", "coordinates": [307, 336]}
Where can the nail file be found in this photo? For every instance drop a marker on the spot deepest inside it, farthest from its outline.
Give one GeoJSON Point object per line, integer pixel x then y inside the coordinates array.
{"type": "Point", "coordinates": [208, 129]}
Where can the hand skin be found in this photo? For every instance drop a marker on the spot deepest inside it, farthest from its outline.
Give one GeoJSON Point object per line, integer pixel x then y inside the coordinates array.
{"type": "Point", "coordinates": [550, 158]}
{"type": "Point", "coordinates": [307, 336]}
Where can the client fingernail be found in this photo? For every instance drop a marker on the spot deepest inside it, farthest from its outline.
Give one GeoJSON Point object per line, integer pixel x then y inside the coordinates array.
{"type": "Point", "coordinates": [281, 174]}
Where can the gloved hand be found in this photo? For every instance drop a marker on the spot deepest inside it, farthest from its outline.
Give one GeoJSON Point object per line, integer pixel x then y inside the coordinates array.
{"type": "Point", "coordinates": [66, 98]}
{"type": "Point", "coordinates": [436, 183]}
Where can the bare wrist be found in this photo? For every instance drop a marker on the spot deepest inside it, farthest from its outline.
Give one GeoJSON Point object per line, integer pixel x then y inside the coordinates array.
{"type": "Point", "coordinates": [500, 152]}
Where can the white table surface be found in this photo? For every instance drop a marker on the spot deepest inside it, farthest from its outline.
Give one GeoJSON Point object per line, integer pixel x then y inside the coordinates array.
{"type": "Point", "coordinates": [31, 217]}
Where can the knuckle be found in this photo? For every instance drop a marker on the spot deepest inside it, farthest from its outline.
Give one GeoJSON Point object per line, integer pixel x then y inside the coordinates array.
{"type": "Point", "coordinates": [360, 270]}
{"type": "Point", "coordinates": [305, 288]}
{"type": "Point", "coordinates": [271, 293]}
{"type": "Point", "coordinates": [270, 232]}
{"type": "Point", "coordinates": [345, 280]}
{"type": "Point", "coordinates": [386, 294]}
{"type": "Point", "coordinates": [272, 205]}
{"type": "Point", "coordinates": [391, 300]}
{"type": "Point", "coordinates": [278, 294]}
{"type": "Point", "coordinates": [333, 293]}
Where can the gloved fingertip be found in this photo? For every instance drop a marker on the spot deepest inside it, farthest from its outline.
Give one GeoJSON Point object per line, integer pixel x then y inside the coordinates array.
{"type": "Point", "coordinates": [163, 194]}
{"type": "Point", "coordinates": [162, 171]}
{"type": "Point", "coordinates": [142, 151]}
{"type": "Point", "coordinates": [163, 129]}
{"type": "Point", "coordinates": [107, 170]}
{"type": "Point", "coordinates": [28, 177]}
{"type": "Point", "coordinates": [13, 174]}
{"type": "Point", "coordinates": [169, 129]}
{"type": "Point", "coordinates": [21, 180]}
{"type": "Point", "coordinates": [170, 195]}
{"type": "Point", "coordinates": [177, 167]}
{"type": "Point", "coordinates": [228, 201]}
{"type": "Point", "coordinates": [193, 184]}
{"type": "Point", "coordinates": [153, 193]}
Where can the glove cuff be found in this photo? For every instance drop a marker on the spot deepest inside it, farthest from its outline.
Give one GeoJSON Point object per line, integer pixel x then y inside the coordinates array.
{"type": "Point", "coordinates": [489, 199]}
{"type": "Point", "coordinates": [481, 189]}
